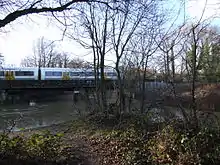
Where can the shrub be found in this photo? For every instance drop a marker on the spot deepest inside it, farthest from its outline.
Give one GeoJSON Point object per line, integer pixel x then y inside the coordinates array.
{"type": "Point", "coordinates": [45, 146]}
{"type": "Point", "coordinates": [11, 146]}
{"type": "Point", "coordinates": [127, 146]}
{"type": "Point", "coordinates": [172, 146]}
{"type": "Point", "coordinates": [136, 151]}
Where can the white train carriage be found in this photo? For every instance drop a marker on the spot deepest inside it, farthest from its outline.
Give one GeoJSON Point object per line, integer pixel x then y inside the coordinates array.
{"type": "Point", "coordinates": [89, 74]}
{"type": "Point", "coordinates": [32, 73]}
{"type": "Point", "coordinates": [26, 73]}
{"type": "Point", "coordinates": [111, 74]}
{"type": "Point", "coordinates": [75, 74]}
{"type": "Point", "coordinates": [54, 73]}
{"type": "Point", "coordinates": [83, 74]}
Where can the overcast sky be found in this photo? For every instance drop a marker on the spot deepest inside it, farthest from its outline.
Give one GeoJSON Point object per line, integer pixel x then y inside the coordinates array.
{"type": "Point", "coordinates": [17, 42]}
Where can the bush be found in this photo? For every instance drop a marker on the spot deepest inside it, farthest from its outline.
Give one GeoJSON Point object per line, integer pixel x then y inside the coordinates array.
{"type": "Point", "coordinates": [171, 146]}
{"type": "Point", "coordinates": [44, 146]}
{"type": "Point", "coordinates": [124, 146]}
{"type": "Point", "coordinates": [11, 146]}
{"type": "Point", "coordinates": [138, 142]}
{"type": "Point", "coordinates": [135, 149]}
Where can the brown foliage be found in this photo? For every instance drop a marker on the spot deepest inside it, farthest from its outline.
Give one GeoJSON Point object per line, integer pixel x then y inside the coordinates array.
{"type": "Point", "coordinates": [207, 97]}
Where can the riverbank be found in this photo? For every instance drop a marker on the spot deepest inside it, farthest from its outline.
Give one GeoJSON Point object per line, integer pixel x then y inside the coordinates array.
{"type": "Point", "coordinates": [100, 140]}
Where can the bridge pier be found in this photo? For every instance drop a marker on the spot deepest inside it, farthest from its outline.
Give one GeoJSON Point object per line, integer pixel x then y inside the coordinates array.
{"type": "Point", "coordinates": [3, 96]}
{"type": "Point", "coordinates": [76, 94]}
{"type": "Point", "coordinates": [9, 97]}
{"type": "Point", "coordinates": [80, 94]}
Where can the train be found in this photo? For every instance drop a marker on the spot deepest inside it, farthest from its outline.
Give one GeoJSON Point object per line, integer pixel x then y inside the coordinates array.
{"type": "Point", "coordinates": [35, 73]}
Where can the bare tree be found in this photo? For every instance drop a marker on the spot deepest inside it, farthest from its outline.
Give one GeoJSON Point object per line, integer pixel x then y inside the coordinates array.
{"type": "Point", "coordinates": [172, 48]}
{"type": "Point", "coordinates": [124, 25]}
{"type": "Point", "coordinates": [143, 47]}
{"type": "Point", "coordinates": [194, 57]}
{"type": "Point", "coordinates": [108, 29]}
{"type": "Point", "coordinates": [94, 35]}
{"type": "Point", "coordinates": [45, 55]}
{"type": "Point", "coordinates": [1, 60]}
{"type": "Point", "coordinates": [60, 60]}
{"type": "Point", "coordinates": [78, 63]}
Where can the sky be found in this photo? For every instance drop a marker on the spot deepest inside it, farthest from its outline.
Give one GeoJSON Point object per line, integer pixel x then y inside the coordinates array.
{"type": "Point", "coordinates": [17, 42]}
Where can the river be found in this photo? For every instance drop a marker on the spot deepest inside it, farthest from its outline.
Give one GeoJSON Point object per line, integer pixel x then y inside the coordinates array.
{"type": "Point", "coordinates": [43, 113]}
{"type": "Point", "coordinates": [56, 110]}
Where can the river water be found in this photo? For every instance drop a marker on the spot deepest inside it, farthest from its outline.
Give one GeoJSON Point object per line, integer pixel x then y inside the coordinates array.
{"type": "Point", "coordinates": [43, 113]}
{"type": "Point", "coordinates": [56, 109]}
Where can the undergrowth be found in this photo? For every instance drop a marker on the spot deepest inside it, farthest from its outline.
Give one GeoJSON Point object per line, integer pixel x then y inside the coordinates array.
{"type": "Point", "coordinates": [137, 142]}
{"type": "Point", "coordinates": [44, 146]}
{"type": "Point", "coordinates": [128, 142]}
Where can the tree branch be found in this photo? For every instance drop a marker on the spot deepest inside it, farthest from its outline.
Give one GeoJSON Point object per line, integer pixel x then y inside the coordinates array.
{"type": "Point", "coordinates": [19, 13]}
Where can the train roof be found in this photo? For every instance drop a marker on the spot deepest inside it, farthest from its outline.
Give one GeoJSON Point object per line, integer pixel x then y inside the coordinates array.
{"type": "Point", "coordinates": [18, 68]}
{"type": "Point", "coordinates": [54, 69]}
{"type": "Point", "coordinates": [45, 68]}
{"type": "Point", "coordinates": [90, 70]}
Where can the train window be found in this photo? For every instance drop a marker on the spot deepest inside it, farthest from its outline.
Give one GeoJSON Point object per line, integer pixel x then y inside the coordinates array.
{"type": "Point", "coordinates": [24, 73]}
{"type": "Point", "coordinates": [89, 73]}
{"type": "Point", "coordinates": [66, 73]}
{"type": "Point", "coordinates": [74, 73]}
{"type": "Point", "coordinates": [111, 74]}
{"type": "Point", "coordinates": [82, 74]}
{"type": "Point", "coordinates": [2, 73]}
{"type": "Point", "coordinates": [57, 73]}
{"type": "Point", "coordinates": [49, 73]}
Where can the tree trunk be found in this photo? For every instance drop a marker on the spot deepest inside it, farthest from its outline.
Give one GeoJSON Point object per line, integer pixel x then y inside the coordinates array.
{"type": "Point", "coordinates": [194, 76]}
{"type": "Point", "coordinates": [120, 90]}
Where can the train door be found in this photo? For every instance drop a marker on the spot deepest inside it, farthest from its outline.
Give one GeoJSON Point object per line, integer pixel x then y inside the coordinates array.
{"type": "Point", "coordinates": [66, 76]}
{"type": "Point", "coordinates": [9, 75]}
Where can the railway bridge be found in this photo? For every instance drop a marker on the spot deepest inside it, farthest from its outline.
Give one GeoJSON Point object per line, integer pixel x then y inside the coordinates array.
{"type": "Point", "coordinates": [65, 85]}
{"type": "Point", "coordinates": [32, 89]}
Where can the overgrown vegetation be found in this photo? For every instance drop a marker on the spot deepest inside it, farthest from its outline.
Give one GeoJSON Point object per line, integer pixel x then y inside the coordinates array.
{"type": "Point", "coordinates": [169, 143]}
{"type": "Point", "coordinates": [39, 148]}
{"type": "Point", "coordinates": [133, 32]}
{"type": "Point", "coordinates": [131, 141]}
{"type": "Point", "coordinates": [137, 142]}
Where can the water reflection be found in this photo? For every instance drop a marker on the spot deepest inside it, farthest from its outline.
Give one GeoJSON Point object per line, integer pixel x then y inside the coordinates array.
{"type": "Point", "coordinates": [43, 113]}
{"type": "Point", "coordinates": [57, 110]}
